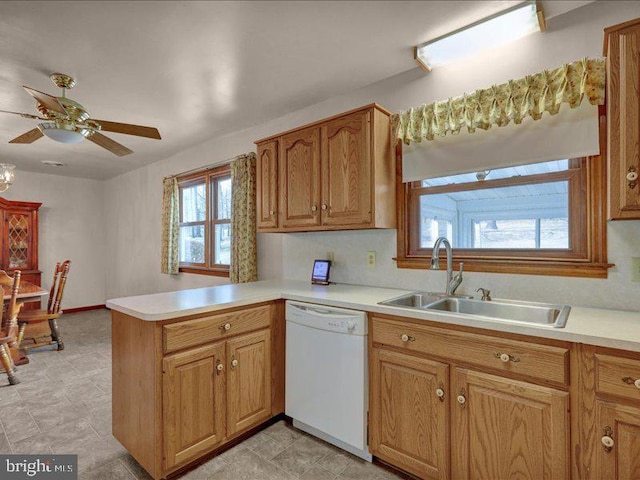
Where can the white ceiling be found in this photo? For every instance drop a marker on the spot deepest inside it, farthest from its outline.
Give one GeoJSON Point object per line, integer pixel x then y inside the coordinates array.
{"type": "Point", "coordinates": [196, 70]}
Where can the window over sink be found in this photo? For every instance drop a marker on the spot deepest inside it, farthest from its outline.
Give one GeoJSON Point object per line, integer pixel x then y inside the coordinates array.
{"type": "Point", "coordinates": [542, 218]}
{"type": "Point", "coordinates": [205, 222]}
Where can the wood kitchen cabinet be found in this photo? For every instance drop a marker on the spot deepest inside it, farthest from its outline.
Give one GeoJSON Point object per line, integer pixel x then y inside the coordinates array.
{"type": "Point", "coordinates": [267, 185]}
{"type": "Point", "coordinates": [409, 417]}
{"type": "Point", "coordinates": [503, 414]}
{"type": "Point", "coordinates": [504, 429]}
{"type": "Point", "coordinates": [622, 48]}
{"type": "Point", "coordinates": [334, 174]}
{"type": "Point", "coordinates": [609, 433]}
{"type": "Point", "coordinates": [195, 383]}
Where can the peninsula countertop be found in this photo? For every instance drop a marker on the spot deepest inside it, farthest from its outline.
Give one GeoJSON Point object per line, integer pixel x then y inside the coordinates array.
{"type": "Point", "coordinates": [607, 328]}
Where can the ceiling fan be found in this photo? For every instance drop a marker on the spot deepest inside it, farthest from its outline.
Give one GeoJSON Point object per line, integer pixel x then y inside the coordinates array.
{"type": "Point", "coordinates": [66, 121]}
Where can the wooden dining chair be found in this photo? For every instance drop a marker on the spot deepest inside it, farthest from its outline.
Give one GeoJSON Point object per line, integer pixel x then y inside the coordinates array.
{"type": "Point", "coordinates": [9, 326]}
{"type": "Point", "coordinates": [53, 312]}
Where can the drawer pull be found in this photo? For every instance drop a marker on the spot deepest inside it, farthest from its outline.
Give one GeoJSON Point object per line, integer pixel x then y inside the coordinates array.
{"type": "Point", "coordinates": [505, 357]}
{"type": "Point", "coordinates": [407, 338]}
{"type": "Point", "coordinates": [631, 381]}
{"type": "Point", "coordinates": [226, 326]}
{"type": "Point", "coordinates": [607, 439]}
{"type": "Point", "coordinates": [440, 392]}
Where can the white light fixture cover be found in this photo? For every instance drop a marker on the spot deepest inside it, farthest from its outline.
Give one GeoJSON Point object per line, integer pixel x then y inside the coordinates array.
{"type": "Point", "coordinates": [63, 133]}
{"type": "Point", "coordinates": [6, 176]}
{"type": "Point", "coordinates": [490, 32]}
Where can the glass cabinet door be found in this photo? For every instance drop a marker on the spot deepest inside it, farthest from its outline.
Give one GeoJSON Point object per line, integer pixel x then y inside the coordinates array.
{"type": "Point", "coordinates": [18, 240]}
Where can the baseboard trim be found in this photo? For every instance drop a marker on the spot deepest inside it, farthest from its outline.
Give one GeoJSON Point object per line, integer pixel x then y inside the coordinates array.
{"type": "Point", "coordinates": [84, 309]}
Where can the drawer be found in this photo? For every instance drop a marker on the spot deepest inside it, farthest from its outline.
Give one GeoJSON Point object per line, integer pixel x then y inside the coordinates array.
{"type": "Point", "coordinates": [177, 336]}
{"type": "Point", "coordinates": [618, 376]}
{"type": "Point", "coordinates": [532, 360]}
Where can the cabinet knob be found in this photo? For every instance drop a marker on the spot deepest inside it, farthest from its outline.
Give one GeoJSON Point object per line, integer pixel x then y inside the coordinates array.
{"type": "Point", "coordinates": [234, 363]}
{"type": "Point", "coordinates": [462, 399]}
{"type": "Point", "coordinates": [271, 213]}
{"type": "Point", "coordinates": [314, 208]}
{"type": "Point", "coordinates": [220, 367]}
{"type": "Point", "coordinates": [505, 357]}
{"type": "Point", "coordinates": [440, 394]}
{"type": "Point", "coordinates": [632, 176]}
{"type": "Point", "coordinates": [607, 439]}
{"type": "Point", "coordinates": [324, 206]}
{"type": "Point", "coordinates": [631, 381]}
{"type": "Point", "coordinates": [226, 326]}
{"type": "Point", "coordinates": [407, 338]}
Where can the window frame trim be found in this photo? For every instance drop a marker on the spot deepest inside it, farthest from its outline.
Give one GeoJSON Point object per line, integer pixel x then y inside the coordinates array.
{"type": "Point", "coordinates": [587, 259]}
{"type": "Point", "coordinates": [207, 177]}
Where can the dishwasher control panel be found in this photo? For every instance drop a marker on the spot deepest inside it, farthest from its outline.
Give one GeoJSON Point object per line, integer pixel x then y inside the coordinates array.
{"type": "Point", "coordinates": [338, 320]}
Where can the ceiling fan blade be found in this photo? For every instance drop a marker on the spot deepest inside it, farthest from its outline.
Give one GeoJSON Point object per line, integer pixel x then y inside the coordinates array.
{"type": "Point", "coordinates": [25, 115]}
{"type": "Point", "coordinates": [29, 137]}
{"type": "Point", "coordinates": [48, 101]}
{"type": "Point", "coordinates": [129, 129]}
{"type": "Point", "coordinates": [111, 145]}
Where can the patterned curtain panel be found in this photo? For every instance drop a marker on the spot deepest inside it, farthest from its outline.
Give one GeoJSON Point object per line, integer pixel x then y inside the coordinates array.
{"type": "Point", "coordinates": [499, 105]}
{"type": "Point", "coordinates": [169, 261]}
{"type": "Point", "coordinates": [244, 258]}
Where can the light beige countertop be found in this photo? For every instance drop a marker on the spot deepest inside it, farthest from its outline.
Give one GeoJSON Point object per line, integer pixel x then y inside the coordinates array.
{"type": "Point", "coordinates": [607, 328]}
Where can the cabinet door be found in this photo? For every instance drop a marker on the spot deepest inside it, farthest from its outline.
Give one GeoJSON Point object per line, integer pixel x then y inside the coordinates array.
{"type": "Point", "coordinates": [505, 429]}
{"type": "Point", "coordinates": [623, 118]}
{"type": "Point", "coordinates": [346, 171]}
{"type": "Point", "coordinates": [620, 459]}
{"type": "Point", "coordinates": [193, 403]}
{"type": "Point", "coordinates": [248, 381]}
{"type": "Point", "coordinates": [299, 178]}
{"type": "Point", "coordinates": [267, 185]}
{"type": "Point", "coordinates": [19, 240]}
{"type": "Point", "coordinates": [408, 419]}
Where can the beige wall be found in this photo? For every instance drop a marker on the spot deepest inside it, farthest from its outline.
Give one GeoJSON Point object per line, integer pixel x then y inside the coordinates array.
{"type": "Point", "coordinates": [71, 226]}
{"type": "Point", "coordinates": [133, 199]}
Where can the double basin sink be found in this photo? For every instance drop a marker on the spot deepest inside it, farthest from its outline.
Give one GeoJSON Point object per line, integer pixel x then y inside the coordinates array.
{"type": "Point", "coordinates": [531, 313]}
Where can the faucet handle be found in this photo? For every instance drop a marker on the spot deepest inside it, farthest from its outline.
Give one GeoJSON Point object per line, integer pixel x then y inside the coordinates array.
{"type": "Point", "coordinates": [486, 294]}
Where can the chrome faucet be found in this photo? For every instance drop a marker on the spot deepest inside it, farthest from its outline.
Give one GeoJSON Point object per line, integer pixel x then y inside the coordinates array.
{"type": "Point", "coordinates": [452, 282]}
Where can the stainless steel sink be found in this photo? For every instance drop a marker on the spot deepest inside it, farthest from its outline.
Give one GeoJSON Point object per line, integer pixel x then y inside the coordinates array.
{"type": "Point", "coordinates": [523, 312]}
{"type": "Point", "coordinates": [418, 299]}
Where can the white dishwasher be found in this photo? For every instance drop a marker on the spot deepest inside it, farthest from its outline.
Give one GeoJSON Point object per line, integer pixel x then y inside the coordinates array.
{"type": "Point", "coordinates": [326, 374]}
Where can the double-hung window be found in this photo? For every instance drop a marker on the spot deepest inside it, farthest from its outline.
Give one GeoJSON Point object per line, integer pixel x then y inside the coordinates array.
{"type": "Point", "coordinates": [205, 222]}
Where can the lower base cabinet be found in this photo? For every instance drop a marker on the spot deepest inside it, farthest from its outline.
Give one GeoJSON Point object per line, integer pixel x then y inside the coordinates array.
{"type": "Point", "coordinates": [183, 388]}
{"type": "Point", "coordinates": [436, 418]}
{"type": "Point", "coordinates": [506, 429]}
{"type": "Point", "coordinates": [618, 455]}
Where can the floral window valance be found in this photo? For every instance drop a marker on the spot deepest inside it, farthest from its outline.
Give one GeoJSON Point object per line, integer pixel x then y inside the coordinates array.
{"type": "Point", "coordinates": [530, 96]}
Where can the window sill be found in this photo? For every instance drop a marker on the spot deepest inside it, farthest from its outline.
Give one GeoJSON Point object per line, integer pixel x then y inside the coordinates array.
{"type": "Point", "coordinates": [546, 267]}
{"type": "Point", "coordinates": [203, 271]}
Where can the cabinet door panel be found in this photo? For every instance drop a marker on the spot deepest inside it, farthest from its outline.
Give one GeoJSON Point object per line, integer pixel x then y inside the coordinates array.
{"type": "Point", "coordinates": [299, 179]}
{"type": "Point", "coordinates": [267, 185]}
{"type": "Point", "coordinates": [409, 422]}
{"type": "Point", "coordinates": [346, 170]}
{"type": "Point", "coordinates": [504, 429]}
{"type": "Point", "coordinates": [623, 117]}
{"type": "Point", "coordinates": [193, 399]}
{"type": "Point", "coordinates": [249, 381]}
{"type": "Point", "coordinates": [622, 424]}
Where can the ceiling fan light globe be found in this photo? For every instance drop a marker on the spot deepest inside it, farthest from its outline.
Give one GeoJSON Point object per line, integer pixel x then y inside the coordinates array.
{"type": "Point", "coordinates": [7, 175]}
{"type": "Point", "coordinates": [63, 133]}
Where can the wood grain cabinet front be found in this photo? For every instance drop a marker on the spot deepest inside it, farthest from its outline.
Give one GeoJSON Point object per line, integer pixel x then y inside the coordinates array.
{"type": "Point", "coordinates": [334, 174]}
{"type": "Point", "coordinates": [622, 48]}
{"type": "Point", "coordinates": [443, 406]}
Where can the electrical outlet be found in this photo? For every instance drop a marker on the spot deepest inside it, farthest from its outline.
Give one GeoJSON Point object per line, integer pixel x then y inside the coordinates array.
{"type": "Point", "coordinates": [635, 269]}
{"type": "Point", "coordinates": [331, 257]}
{"type": "Point", "coordinates": [371, 259]}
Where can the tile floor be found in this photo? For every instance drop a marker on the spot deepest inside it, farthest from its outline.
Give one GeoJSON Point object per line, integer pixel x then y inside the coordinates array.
{"type": "Point", "coordinates": [63, 405]}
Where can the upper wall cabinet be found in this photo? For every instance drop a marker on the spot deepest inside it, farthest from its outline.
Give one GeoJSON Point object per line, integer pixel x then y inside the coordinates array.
{"type": "Point", "coordinates": [622, 48]}
{"type": "Point", "coordinates": [335, 174]}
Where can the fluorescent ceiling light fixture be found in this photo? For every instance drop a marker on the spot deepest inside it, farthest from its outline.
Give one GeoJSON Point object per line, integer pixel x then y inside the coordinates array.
{"type": "Point", "coordinates": [490, 32]}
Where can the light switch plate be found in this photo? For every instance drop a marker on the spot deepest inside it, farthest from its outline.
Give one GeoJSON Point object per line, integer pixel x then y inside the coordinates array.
{"type": "Point", "coordinates": [635, 269]}
{"type": "Point", "coordinates": [371, 259]}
